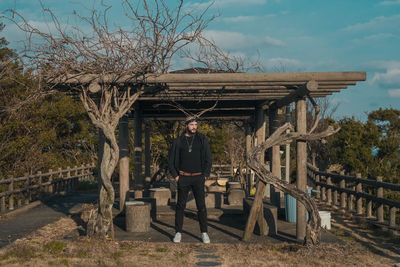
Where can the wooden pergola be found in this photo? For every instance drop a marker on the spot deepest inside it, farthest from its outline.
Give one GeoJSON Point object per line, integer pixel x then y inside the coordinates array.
{"type": "Point", "coordinates": [239, 96]}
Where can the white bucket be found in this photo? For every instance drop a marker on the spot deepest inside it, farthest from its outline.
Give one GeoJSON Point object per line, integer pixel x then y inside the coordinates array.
{"type": "Point", "coordinates": [325, 219]}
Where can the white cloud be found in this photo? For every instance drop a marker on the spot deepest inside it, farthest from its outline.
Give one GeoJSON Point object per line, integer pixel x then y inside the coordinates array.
{"type": "Point", "coordinates": [380, 22]}
{"type": "Point", "coordinates": [390, 77]}
{"type": "Point", "coordinates": [389, 3]}
{"type": "Point", "coordinates": [239, 19]}
{"type": "Point", "coordinates": [223, 4]}
{"type": "Point", "coordinates": [394, 92]}
{"type": "Point", "coordinates": [237, 40]}
{"type": "Point", "coordinates": [274, 42]}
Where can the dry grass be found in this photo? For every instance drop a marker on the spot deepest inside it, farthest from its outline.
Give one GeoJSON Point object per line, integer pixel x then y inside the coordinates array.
{"type": "Point", "coordinates": [46, 247]}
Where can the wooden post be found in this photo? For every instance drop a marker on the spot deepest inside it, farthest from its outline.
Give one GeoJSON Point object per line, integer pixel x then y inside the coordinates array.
{"type": "Point", "coordinates": [3, 204]}
{"type": "Point", "coordinates": [11, 196]}
{"type": "Point", "coordinates": [287, 149]}
{"type": "Point", "coordinates": [50, 186]}
{"type": "Point", "coordinates": [343, 195]}
{"type": "Point", "coordinates": [350, 199]}
{"type": "Point", "coordinates": [379, 194]}
{"type": "Point", "coordinates": [40, 182]}
{"type": "Point", "coordinates": [301, 169]}
{"type": "Point", "coordinates": [147, 155]}
{"type": "Point", "coordinates": [369, 208]}
{"type": "Point", "coordinates": [318, 187]}
{"type": "Point", "coordinates": [137, 144]}
{"type": "Point", "coordinates": [123, 138]}
{"type": "Point", "coordinates": [256, 211]}
{"type": "Point", "coordinates": [323, 189]}
{"type": "Point", "coordinates": [392, 217]}
{"type": "Point", "coordinates": [27, 189]}
{"type": "Point", "coordinates": [248, 148]}
{"type": "Point", "coordinates": [274, 157]}
{"type": "Point", "coordinates": [59, 183]}
{"type": "Point", "coordinates": [260, 126]}
{"type": "Point", "coordinates": [329, 191]}
{"type": "Point", "coordinates": [358, 198]}
{"type": "Point", "coordinates": [68, 182]}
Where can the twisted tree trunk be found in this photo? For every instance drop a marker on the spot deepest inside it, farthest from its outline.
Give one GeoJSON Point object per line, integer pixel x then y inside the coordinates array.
{"type": "Point", "coordinates": [280, 137]}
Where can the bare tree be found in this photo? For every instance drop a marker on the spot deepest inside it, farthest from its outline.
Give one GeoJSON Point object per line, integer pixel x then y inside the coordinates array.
{"type": "Point", "coordinates": [280, 137]}
{"type": "Point", "coordinates": [107, 65]}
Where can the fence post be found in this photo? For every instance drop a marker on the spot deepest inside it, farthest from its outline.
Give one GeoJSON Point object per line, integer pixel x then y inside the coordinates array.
{"type": "Point", "coordinates": [343, 195]}
{"type": "Point", "coordinates": [350, 199]}
{"type": "Point", "coordinates": [50, 186]}
{"type": "Point", "coordinates": [392, 217]}
{"type": "Point", "coordinates": [323, 188]}
{"type": "Point", "coordinates": [27, 188]}
{"type": "Point", "coordinates": [11, 196]}
{"type": "Point", "coordinates": [379, 194]}
{"type": "Point", "coordinates": [75, 180]}
{"type": "Point", "coordinates": [83, 172]}
{"type": "Point", "coordinates": [68, 182]}
{"type": "Point", "coordinates": [317, 180]}
{"type": "Point", "coordinates": [40, 181]}
{"type": "Point", "coordinates": [358, 198]}
{"type": "Point", "coordinates": [329, 190]}
{"type": "Point", "coordinates": [3, 204]}
{"type": "Point", "coordinates": [59, 183]}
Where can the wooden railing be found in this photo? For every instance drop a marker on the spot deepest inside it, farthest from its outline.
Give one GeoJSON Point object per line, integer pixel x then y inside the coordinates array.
{"type": "Point", "coordinates": [17, 192]}
{"type": "Point", "coordinates": [361, 196]}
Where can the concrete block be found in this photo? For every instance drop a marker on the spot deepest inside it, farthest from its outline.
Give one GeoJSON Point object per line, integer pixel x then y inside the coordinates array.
{"type": "Point", "coordinates": [236, 196]}
{"type": "Point", "coordinates": [137, 216]}
{"type": "Point", "coordinates": [161, 195]}
{"type": "Point", "coordinates": [212, 199]}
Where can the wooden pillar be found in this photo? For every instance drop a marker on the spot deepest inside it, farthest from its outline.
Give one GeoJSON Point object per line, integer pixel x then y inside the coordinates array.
{"type": "Point", "coordinates": [260, 125]}
{"type": "Point", "coordinates": [358, 198]}
{"type": "Point", "coordinates": [287, 149]}
{"type": "Point", "coordinates": [301, 167]}
{"type": "Point", "coordinates": [343, 195]}
{"type": "Point", "coordinates": [123, 138]}
{"type": "Point", "coordinates": [379, 206]}
{"type": "Point", "coordinates": [137, 144]}
{"type": "Point", "coordinates": [250, 182]}
{"type": "Point", "coordinates": [147, 151]}
{"type": "Point", "coordinates": [274, 157]}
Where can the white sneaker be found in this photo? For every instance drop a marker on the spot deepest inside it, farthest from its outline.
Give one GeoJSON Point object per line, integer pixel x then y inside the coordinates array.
{"type": "Point", "coordinates": [205, 238]}
{"type": "Point", "coordinates": [177, 237]}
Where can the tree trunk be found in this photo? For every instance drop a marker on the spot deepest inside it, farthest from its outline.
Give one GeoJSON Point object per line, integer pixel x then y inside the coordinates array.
{"type": "Point", "coordinates": [100, 225]}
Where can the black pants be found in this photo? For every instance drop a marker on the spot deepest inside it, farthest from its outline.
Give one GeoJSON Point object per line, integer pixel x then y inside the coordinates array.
{"type": "Point", "coordinates": [196, 183]}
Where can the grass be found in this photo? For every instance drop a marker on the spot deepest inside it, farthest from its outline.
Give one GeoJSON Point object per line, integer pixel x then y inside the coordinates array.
{"type": "Point", "coordinates": [86, 185]}
{"type": "Point", "coordinates": [55, 247]}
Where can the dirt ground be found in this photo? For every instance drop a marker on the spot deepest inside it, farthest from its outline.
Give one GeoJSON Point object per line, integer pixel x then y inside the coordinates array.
{"type": "Point", "coordinates": [57, 244]}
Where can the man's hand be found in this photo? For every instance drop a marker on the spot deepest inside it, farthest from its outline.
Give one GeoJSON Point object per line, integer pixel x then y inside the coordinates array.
{"type": "Point", "coordinates": [176, 178]}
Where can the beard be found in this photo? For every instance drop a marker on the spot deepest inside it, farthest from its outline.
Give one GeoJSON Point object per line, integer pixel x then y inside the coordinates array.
{"type": "Point", "coordinates": [193, 131]}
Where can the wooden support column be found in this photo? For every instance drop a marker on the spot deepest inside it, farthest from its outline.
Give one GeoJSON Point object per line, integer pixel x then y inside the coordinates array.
{"type": "Point", "coordinates": [301, 159]}
{"type": "Point", "coordinates": [123, 138]}
{"type": "Point", "coordinates": [274, 157]}
{"type": "Point", "coordinates": [137, 146]}
{"type": "Point", "coordinates": [250, 182]}
{"type": "Point", "coordinates": [147, 151]}
{"type": "Point", "coordinates": [260, 125]}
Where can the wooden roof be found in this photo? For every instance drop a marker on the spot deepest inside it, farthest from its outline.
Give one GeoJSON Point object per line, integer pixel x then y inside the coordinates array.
{"type": "Point", "coordinates": [237, 93]}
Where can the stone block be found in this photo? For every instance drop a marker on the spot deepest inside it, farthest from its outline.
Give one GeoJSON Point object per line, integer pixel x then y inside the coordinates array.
{"type": "Point", "coordinates": [236, 196]}
{"type": "Point", "coordinates": [233, 185]}
{"type": "Point", "coordinates": [137, 216]}
{"type": "Point", "coordinates": [212, 199]}
{"type": "Point", "coordinates": [161, 195]}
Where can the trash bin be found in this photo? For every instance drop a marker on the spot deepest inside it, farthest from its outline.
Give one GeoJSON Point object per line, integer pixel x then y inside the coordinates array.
{"type": "Point", "coordinates": [290, 206]}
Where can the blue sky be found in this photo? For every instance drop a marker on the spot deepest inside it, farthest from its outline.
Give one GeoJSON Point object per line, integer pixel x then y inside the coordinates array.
{"type": "Point", "coordinates": [292, 35]}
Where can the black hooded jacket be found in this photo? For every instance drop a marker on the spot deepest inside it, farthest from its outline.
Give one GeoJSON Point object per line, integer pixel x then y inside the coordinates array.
{"type": "Point", "coordinates": [173, 155]}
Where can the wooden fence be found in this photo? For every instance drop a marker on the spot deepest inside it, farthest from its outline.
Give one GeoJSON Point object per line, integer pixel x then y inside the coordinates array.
{"type": "Point", "coordinates": [16, 192]}
{"type": "Point", "coordinates": [361, 196]}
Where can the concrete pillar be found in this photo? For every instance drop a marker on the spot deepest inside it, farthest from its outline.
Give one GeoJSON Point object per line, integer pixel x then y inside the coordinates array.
{"type": "Point", "coordinates": [301, 159]}
{"type": "Point", "coordinates": [123, 138]}
{"type": "Point", "coordinates": [137, 146]}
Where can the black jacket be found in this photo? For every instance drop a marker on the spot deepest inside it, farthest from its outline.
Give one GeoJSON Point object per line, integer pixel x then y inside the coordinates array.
{"type": "Point", "coordinates": [173, 155]}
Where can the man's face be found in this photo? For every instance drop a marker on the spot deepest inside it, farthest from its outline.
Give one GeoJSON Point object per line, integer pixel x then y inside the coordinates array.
{"type": "Point", "coordinates": [192, 127]}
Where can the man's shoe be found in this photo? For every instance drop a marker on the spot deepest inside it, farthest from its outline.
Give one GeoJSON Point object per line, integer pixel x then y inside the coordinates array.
{"type": "Point", "coordinates": [177, 237]}
{"type": "Point", "coordinates": [205, 238]}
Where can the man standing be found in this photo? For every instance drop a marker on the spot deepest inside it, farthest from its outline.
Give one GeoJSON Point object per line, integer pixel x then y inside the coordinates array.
{"type": "Point", "coordinates": [189, 162]}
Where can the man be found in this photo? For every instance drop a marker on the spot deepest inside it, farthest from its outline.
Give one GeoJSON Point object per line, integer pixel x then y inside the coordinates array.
{"type": "Point", "coordinates": [189, 162]}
